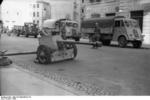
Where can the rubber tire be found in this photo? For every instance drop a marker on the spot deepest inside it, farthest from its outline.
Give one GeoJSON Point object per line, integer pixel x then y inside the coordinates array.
{"type": "Point", "coordinates": [35, 36]}
{"type": "Point", "coordinates": [18, 35]}
{"type": "Point", "coordinates": [47, 54]}
{"type": "Point", "coordinates": [27, 35]}
{"type": "Point", "coordinates": [137, 44]}
{"type": "Point", "coordinates": [77, 39]}
{"type": "Point", "coordinates": [122, 41]}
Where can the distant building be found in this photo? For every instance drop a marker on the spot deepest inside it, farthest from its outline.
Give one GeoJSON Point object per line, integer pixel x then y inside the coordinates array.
{"type": "Point", "coordinates": [40, 11]}
{"type": "Point", "coordinates": [36, 11]}
{"type": "Point", "coordinates": [16, 13]}
{"type": "Point", "coordinates": [137, 9]}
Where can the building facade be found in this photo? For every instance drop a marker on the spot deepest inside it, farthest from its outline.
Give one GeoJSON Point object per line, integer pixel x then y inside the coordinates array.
{"type": "Point", "coordinates": [137, 9]}
{"type": "Point", "coordinates": [40, 11]}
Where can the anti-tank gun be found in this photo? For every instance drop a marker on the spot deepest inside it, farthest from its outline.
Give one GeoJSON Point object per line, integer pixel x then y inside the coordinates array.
{"type": "Point", "coordinates": [53, 48]}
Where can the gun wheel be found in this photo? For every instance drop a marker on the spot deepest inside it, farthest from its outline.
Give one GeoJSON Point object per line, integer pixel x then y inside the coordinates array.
{"type": "Point", "coordinates": [44, 54]}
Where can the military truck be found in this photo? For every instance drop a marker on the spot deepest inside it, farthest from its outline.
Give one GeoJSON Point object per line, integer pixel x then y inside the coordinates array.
{"type": "Point", "coordinates": [120, 29]}
{"type": "Point", "coordinates": [69, 29]}
{"type": "Point", "coordinates": [31, 29]}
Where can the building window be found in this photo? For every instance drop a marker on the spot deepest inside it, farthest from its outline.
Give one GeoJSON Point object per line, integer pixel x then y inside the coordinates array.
{"type": "Point", "coordinates": [91, 1]}
{"type": "Point", "coordinates": [117, 23]}
{"type": "Point", "coordinates": [37, 14]}
{"type": "Point", "coordinates": [110, 14]}
{"type": "Point", "coordinates": [95, 15]}
{"type": "Point", "coordinates": [17, 13]}
{"type": "Point", "coordinates": [37, 21]}
{"type": "Point", "coordinates": [82, 1]}
{"type": "Point", "coordinates": [82, 10]}
{"type": "Point", "coordinates": [94, 1]}
{"type": "Point", "coordinates": [33, 21]}
{"type": "Point", "coordinates": [33, 14]}
{"type": "Point", "coordinates": [37, 5]}
{"type": "Point", "coordinates": [98, 0]}
{"type": "Point", "coordinates": [33, 5]}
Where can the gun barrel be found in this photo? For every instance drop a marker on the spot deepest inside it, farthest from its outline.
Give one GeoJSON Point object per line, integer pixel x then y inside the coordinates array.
{"type": "Point", "coordinates": [23, 53]}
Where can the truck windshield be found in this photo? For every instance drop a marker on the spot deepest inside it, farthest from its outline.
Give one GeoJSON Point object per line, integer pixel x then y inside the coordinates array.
{"type": "Point", "coordinates": [72, 25]}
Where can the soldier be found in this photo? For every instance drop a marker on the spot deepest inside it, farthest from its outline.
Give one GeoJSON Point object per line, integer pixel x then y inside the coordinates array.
{"type": "Point", "coordinates": [63, 31]}
{"type": "Point", "coordinates": [1, 28]}
{"type": "Point", "coordinates": [96, 36]}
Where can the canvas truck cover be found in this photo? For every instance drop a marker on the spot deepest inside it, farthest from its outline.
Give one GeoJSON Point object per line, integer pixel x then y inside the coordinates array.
{"type": "Point", "coordinates": [106, 25]}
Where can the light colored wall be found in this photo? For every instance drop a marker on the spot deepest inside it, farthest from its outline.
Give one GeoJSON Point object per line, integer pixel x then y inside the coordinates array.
{"type": "Point", "coordinates": [10, 10]}
{"type": "Point", "coordinates": [61, 8]}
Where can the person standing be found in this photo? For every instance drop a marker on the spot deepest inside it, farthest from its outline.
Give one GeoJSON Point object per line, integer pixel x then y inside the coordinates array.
{"type": "Point", "coordinates": [96, 36]}
{"type": "Point", "coordinates": [1, 28]}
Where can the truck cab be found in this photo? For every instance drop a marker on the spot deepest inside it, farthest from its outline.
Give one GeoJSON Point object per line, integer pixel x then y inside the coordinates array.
{"type": "Point", "coordinates": [127, 31]}
{"type": "Point", "coordinates": [30, 29]}
{"type": "Point", "coordinates": [70, 30]}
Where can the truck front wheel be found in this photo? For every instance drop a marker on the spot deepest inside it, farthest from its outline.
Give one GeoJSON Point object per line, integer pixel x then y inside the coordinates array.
{"type": "Point", "coordinates": [137, 44]}
{"type": "Point", "coordinates": [122, 41]}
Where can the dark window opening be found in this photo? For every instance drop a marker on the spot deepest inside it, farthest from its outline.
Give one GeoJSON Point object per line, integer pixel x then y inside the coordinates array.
{"type": "Point", "coordinates": [138, 15]}
{"type": "Point", "coordinates": [110, 14]}
{"type": "Point", "coordinates": [37, 14]}
{"type": "Point", "coordinates": [91, 1]}
{"type": "Point", "coordinates": [98, 0]}
{"type": "Point", "coordinates": [82, 1]}
{"type": "Point", "coordinates": [82, 10]}
{"type": "Point", "coordinates": [33, 14]}
{"type": "Point", "coordinates": [37, 5]}
{"type": "Point", "coordinates": [117, 23]}
{"type": "Point", "coordinates": [95, 16]}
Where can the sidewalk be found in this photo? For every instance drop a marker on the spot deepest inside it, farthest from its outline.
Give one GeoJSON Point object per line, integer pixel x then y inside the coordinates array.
{"type": "Point", "coordinates": [17, 82]}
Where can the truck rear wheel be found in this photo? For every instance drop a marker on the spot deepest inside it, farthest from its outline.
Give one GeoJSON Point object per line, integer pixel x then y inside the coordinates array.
{"type": "Point", "coordinates": [27, 35]}
{"type": "Point", "coordinates": [122, 41]}
{"type": "Point", "coordinates": [44, 54]}
{"type": "Point", "coordinates": [35, 36]}
{"type": "Point", "coordinates": [77, 39]}
{"type": "Point", "coordinates": [137, 44]}
{"type": "Point", "coordinates": [106, 42]}
{"type": "Point", "coordinates": [18, 34]}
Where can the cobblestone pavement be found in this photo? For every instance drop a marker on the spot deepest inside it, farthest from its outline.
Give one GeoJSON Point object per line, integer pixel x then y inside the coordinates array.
{"type": "Point", "coordinates": [88, 89]}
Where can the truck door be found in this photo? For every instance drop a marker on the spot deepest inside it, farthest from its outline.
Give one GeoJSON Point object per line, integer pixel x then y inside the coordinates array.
{"type": "Point", "coordinates": [119, 30]}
